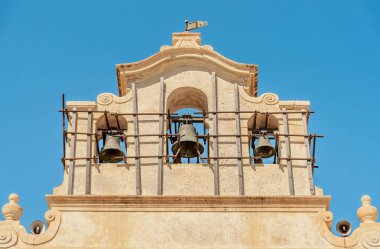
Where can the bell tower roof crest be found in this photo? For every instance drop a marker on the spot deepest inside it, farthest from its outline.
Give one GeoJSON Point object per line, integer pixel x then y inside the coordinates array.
{"type": "Point", "coordinates": [187, 50]}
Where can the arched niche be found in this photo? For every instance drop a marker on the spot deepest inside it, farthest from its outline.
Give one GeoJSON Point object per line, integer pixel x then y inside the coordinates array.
{"type": "Point", "coordinates": [187, 97]}
{"type": "Point", "coordinates": [262, 121]}
{"type": "Point", "coordinates": [187, 101]}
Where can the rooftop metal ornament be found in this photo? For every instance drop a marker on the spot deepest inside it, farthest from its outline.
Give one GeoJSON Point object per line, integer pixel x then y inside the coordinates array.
{"type": "Point", "coordinates": [195, 25]}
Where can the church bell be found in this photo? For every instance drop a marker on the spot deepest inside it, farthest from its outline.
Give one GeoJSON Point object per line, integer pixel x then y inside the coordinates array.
{"type": "Point", "coordinates": [264, 149]}
{"type": "Point", "coordinates": [188, 143]}
{"type": "Point", "coordinates": [111, 152]}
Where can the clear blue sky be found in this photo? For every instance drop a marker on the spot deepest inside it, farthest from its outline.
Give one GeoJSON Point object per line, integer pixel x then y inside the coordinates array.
{"type": "Point", "coordinates": [327, 52]}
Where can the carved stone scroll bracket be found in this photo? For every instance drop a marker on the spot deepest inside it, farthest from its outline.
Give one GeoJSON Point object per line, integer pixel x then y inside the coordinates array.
{"type": "Point", "coordinates": [266, 98]}
{"type": "Point", "coordinates": [105, 99]}
{"type": "Point", "coordinates": [8, 235]}
{"type": "Point", "coordinates": [53, 220]}
{"type": "Point", "coordinates": [324, 222]}
{"type": "Point", "coordinates": [371, 239]}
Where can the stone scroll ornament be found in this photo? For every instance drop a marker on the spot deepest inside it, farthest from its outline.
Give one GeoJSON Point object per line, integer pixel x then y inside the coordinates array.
{"type": "Point", "coordinates": [53, 220]}
{"type": "Point", "coordinates": [368, 215]}
{"type": "Point", "coordinates": [8, 237]}
{"type": "Point", "coordinates": [11, 231]}
{"type": "Point", "coordinates": [266, 98]}
{"type": "Point", "coordinates": [367, 235]}
{"type": "Point", "coordinates": [12, 212]}
{"type": "Point", "coordinates": [105, 99]}
{"type": "Point", "coordinates": [371, 239]}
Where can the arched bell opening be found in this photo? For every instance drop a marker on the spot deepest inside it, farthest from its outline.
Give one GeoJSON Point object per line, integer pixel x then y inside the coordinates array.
{"type": "Point", "coordinates": [262, 139]}
{"type": "Point", "coordinates": [187, 126]}
{"type": "Point", "coordinates": [110, 137]}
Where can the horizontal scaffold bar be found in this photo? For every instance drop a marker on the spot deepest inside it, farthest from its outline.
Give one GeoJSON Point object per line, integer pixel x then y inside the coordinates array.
{"type": "Point", "coordinates": [116, 113]}
{"type": "Point", "coordinates": [202, 136]}
{"type": "Point", "coordinates": [253, 112]}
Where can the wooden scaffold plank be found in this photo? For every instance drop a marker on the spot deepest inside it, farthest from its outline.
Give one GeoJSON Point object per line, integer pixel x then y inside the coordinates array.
{"type": "Point", "coordinates": [215, 132]}
{"type": "Point", "coordinates": [89, 153]}
{"type": "Point", "coordinates": [307, 149]}
{"type": "Point", "coordinates": [288, 153]}
{"type": "Point", "coordinates": [161, 138]}
{"type": "Point", "coordinates": [74, 121]}
{"type": "Point", "coordinates": [136, 139]}
{"type": "Point", "coordinates": [238, 141]}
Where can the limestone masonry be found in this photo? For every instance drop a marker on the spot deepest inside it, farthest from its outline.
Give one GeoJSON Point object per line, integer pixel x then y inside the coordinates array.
{"type": "Point", "coordinates": [148, 194]}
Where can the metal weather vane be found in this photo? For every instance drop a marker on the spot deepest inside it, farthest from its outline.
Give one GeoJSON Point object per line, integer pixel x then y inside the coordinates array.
{"type": "Point", "coordinates": [195, 25]}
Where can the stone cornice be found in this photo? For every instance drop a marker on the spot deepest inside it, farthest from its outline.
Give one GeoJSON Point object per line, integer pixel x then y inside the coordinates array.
{"type": "Point", "coordinates": [311, 203]}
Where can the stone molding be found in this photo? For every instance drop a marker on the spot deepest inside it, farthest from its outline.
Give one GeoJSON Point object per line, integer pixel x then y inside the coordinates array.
{"type": "Point", "coordinates": [294, 104]}
{"type": "Point", "coordinates": [199, 203]}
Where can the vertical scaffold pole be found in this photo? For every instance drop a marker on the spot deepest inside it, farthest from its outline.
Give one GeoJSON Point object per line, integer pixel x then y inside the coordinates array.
{"type": "Point", "coordinates": [63, 131]}
{"type": "Point", "coordinates": [74, 121]}
{"type": "Point", "coordinates": [288, 153]}
{"type": "Point", "coordinates": [307, 149]}
{"type": "Point", "coordinates": [137, 145]}
{"type": "Point", "coordinates": [238, 141]}
{"type": "Point", "coordinates": [215, 132]}
{"type": "Point", "coordinates": [161, 139]}
{"type": "Point", "coordinates": [89, 153]}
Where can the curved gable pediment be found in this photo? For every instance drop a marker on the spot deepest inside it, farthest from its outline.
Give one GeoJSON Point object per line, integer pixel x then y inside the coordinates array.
{"type": "Point", "coordinates": [187, 51]}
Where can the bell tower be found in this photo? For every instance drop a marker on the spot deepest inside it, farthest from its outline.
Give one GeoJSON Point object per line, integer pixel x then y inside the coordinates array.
{"type": "Point", "coordinates": [141, 131]}
{"type": "Point", "coordinates": [234, 174]}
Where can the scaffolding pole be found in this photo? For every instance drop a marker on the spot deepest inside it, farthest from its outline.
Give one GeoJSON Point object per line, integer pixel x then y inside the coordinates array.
{"type": "Point", "coordinates": [215, 132]}
{"type": "Point", "coordinates": [89, 153]}
{"type": "Point", "coordinates": [74, 122]}
{"type": "Point", "coordinates": [137, 145]}
{"type": "Point", "coordinates": [307, 150]}
{"type": "Point", "coordinates": [287, 148]}
{"type": "Point", "coordinates": [238, 141]}
{"type": "Point", "coordinates": [161, 139]}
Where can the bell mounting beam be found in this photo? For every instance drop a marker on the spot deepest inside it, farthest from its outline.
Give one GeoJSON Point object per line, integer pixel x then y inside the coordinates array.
{"type": "Point", "coordinates": [137, 144]}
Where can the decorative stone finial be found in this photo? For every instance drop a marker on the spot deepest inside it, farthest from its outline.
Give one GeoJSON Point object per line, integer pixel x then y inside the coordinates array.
{"type": "Point", "coordinates": [12, 211]}
{"type": "Point", "coordinates": [367, 213]}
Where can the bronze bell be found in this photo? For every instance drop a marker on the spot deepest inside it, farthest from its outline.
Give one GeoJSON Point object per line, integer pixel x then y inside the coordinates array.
{"type": "Point", "coordinates": [264, 149]}
{"type": "Point", "coordinates": [187, 142]}
{"type": "Point", "coordinates": [111, 152]}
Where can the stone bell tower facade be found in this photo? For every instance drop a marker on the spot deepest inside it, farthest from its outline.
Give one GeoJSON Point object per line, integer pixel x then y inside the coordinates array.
{"type": "Point", "coordinates": [125, 187]}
